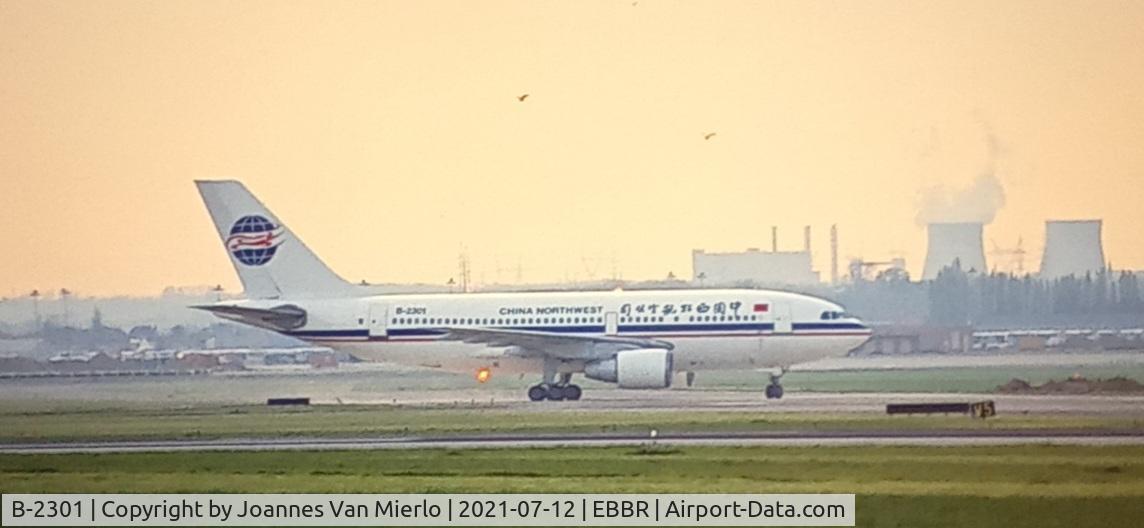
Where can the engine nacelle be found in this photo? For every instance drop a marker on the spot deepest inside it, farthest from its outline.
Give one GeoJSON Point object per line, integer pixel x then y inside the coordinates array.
{"type": "Point", "coordinates": [645, 368]}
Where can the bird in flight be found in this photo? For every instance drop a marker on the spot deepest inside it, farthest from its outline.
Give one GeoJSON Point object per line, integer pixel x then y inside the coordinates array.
{"type": "Point", "coordinates": [709, 135]}
{"type": "Point", "coordinates": [521, 98]}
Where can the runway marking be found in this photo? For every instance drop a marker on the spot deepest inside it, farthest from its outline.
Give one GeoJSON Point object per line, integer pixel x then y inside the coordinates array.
{"type": "Point", "coordinates": [772, 438]}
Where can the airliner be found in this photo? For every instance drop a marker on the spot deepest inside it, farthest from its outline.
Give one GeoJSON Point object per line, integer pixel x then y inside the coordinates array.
{"type": "Point", "coordinates": [634, 339]}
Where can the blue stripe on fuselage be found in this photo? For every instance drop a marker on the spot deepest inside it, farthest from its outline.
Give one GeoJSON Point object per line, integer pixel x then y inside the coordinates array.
{"type": "Point", "coordinates": [588, 329]}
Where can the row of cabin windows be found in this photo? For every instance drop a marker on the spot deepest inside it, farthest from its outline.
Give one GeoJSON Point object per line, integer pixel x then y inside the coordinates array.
{"type": "Point", "coordinates": [486, 322]}
{"type": "Point", "coordinates": [690, 318]}
{"type": "Point", "coordinates": [564, 320]}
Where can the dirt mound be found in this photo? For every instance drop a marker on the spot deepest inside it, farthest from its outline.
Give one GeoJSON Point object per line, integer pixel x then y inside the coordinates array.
{"type": "Point", "coordinates": [1074, 385]}
{"type": "Point", "coordinates": [1015, 386]}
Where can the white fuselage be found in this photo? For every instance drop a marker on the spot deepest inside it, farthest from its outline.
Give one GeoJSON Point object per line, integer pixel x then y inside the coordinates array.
{"type": "Point", "coordinates": [710, 329]}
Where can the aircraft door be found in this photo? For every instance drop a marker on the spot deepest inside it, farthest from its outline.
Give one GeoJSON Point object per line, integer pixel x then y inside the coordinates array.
{"type": "Point", "coordinates": [611, 323]}
{"type": "Point", "coordinates": [782, 318]}
{"type": "Point", "coordinates": [378, 317]}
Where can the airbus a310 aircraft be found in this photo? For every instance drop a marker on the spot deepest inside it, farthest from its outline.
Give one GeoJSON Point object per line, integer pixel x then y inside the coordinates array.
{"type": "Point", "coordinates": [635, 339]}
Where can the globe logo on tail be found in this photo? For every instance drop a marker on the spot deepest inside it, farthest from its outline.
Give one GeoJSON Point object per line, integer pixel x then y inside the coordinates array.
{"type": "Point", "coordinates": [253, 240]}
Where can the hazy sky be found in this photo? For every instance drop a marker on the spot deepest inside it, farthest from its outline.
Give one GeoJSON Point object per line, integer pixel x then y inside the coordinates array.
{"type": "Point", "coordinates": [389, 137]}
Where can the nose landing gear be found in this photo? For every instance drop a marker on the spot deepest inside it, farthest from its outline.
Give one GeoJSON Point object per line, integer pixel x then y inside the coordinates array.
{"type": "Point", "coordinates": [774, 391]}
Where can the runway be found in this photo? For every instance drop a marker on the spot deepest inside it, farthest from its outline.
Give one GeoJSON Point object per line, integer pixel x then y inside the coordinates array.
{"type": "Point", "coordinates": [950, 437]}
{"type": "Point", "coordinates": [377, 385]}
{"type": "Point", "coordinates": [617, 400]}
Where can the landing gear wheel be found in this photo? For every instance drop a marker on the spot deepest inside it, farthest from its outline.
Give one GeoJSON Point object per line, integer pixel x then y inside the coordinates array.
{"type": "Point", "coordinates": [537, 393]}
{"type": "Point", "coordinates": [555, 385]}
{"type": "Point", "coordinates": [774, 392]}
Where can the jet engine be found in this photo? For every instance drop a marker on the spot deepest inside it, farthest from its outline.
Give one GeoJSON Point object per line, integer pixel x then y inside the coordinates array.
{"type": "Point", "coordinates": [644, 368]}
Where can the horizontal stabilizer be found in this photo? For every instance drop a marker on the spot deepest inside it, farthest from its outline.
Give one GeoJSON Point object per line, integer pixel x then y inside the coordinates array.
{"type": "Point", "coordinates": [279, 318]}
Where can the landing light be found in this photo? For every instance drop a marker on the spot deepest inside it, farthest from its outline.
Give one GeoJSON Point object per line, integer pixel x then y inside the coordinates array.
{"type": "Point", "coordinates": [483, 374]}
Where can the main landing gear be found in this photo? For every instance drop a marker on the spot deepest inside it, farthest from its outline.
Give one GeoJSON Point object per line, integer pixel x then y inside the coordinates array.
{"type": "Point", "coordinates": [545, 391]}
{"type": "Point", "coordinates": [775, 389]}
{"type": "Point", "coordinates": [553, 388]}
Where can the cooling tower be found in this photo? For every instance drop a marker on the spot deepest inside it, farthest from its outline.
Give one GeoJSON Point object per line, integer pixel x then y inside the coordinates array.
{"type": "Point", "coordinates": [1072, 247]}
{"type": "Point", "coordinates": [954, 242]}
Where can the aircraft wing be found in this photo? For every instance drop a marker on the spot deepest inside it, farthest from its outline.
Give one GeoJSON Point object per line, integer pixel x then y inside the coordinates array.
{"type": "Point", "coordinates": [563, 346]}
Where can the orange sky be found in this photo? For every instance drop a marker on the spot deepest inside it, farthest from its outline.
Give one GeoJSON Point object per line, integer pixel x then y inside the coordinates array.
{"type": "Point", "coordinates": [388, 135]}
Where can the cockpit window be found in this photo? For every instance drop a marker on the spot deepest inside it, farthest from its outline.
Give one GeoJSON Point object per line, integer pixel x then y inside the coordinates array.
{"type": "Point", "coordinates": [830, 315]}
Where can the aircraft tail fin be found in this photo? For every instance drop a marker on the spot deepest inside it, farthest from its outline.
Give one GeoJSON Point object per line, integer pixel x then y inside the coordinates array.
{"type": "Point", "coordinates": [271, 262]}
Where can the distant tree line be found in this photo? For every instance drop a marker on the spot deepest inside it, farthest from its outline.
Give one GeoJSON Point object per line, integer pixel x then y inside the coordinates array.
{"type": "Point", "coordinates": [959, 297]}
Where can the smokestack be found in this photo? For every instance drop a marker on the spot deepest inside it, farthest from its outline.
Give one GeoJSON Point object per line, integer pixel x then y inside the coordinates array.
{"type": "Point", "coordinates": [834, 254]}
{"type": "Point", "coordinates": [1072, 247]}
{"type": "Point", "coordinates": [949, 242]}
{"type": "Point", "coordinates": [806, 239]}
{"type": "Point", "coordinates": [774, 239]}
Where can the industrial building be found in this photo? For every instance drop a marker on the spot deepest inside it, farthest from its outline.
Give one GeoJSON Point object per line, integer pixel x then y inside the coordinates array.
{"type": "Point", "coordinates": [954, 242]}
{"type": "Point", "coordinates": [916, 339]}
{"type": "Point", "coordinates": [755, 267]}
{"type": "Point", "coordinates": [1072, 247]}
